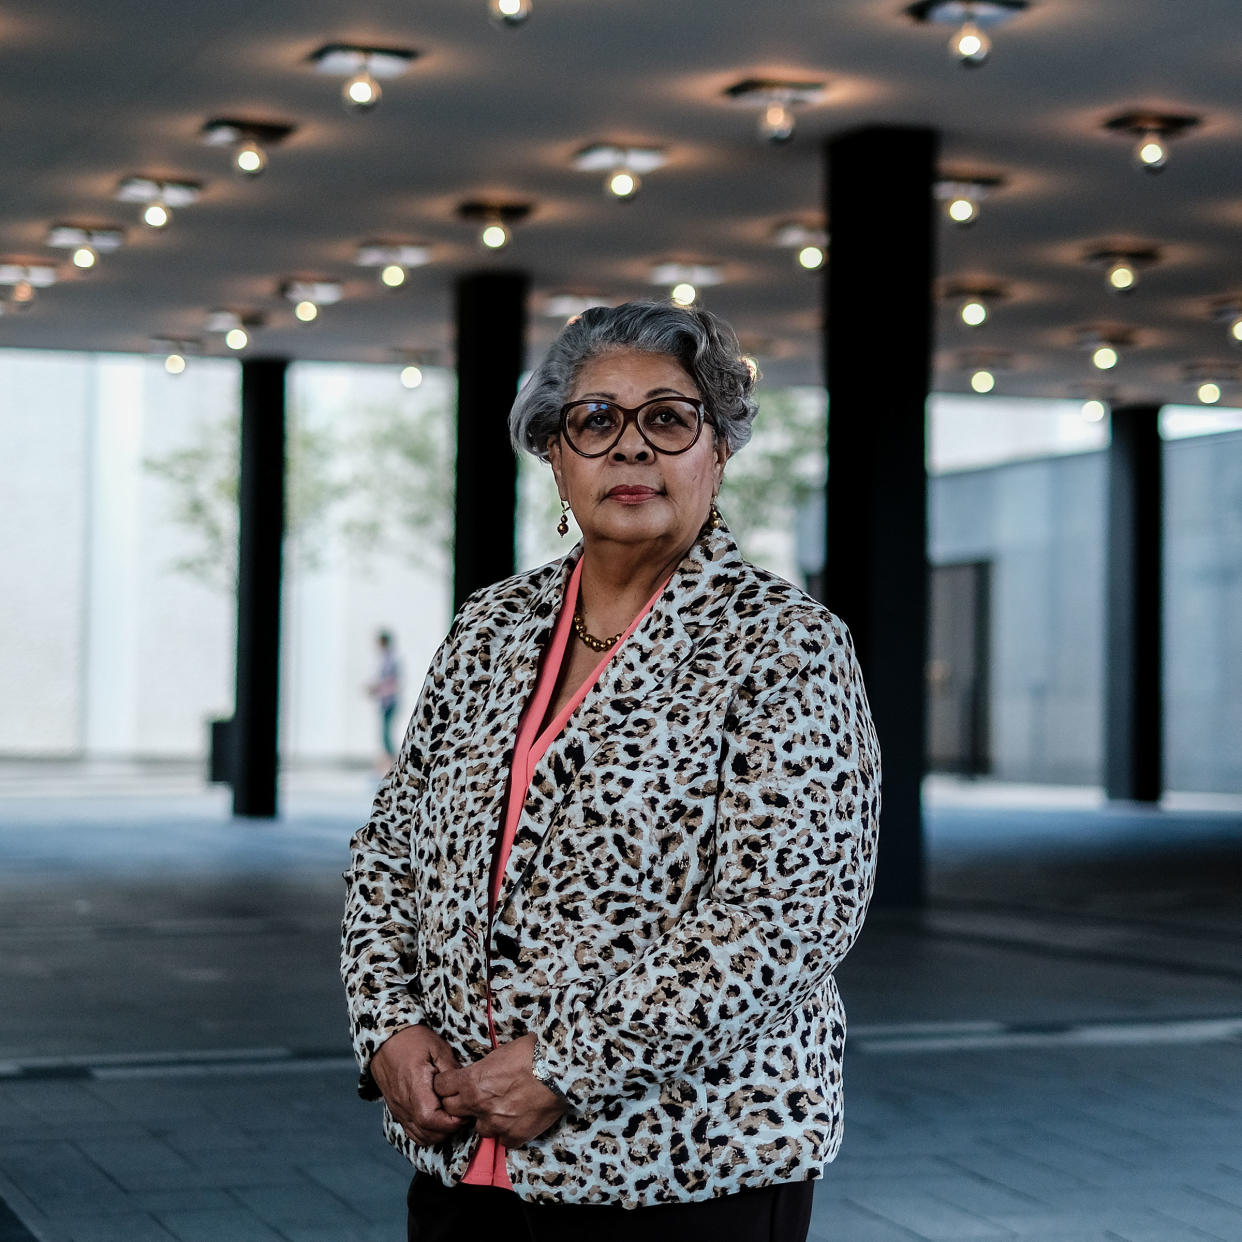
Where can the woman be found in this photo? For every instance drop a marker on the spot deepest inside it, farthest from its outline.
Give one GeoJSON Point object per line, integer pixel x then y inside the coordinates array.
{"type": "Point", "coordinates": [592, 923]}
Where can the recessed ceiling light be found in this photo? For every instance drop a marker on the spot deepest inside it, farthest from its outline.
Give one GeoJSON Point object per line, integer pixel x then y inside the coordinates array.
{"type": "Point", "coordinates": [972, 18]}
{"type": "Point", "coordinates": [363, 67]}
{"type": "Point", "coordinates": [393, 259]}
{"type": "Point", "coordinates": [496, 219]}
{"type": "Point", "coordinates": [1122, 264]}
{"type": "Point", "coordinates": [777, 100]}
{"type": "Point", "coordinates": [624, 167]}
{"type": "Point", "coordinates": [808, 241]}
{"type": "Point", "coordinates": [1152, 132]}
{"type": "Point", "coordinates": [249, 139]}
{"type": "Point", "coordinates": [308, 296]}
{"type": "Point", "coordinates": [158, 197]}
{"type": "Point", "coordinates": [509, 12]}
{"type": "Point", "coordinates": [962, 194]}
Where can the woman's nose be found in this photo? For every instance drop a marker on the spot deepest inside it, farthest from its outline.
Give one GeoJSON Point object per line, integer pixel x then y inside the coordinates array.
{"type": "Point", "coordinates": [631, 446]}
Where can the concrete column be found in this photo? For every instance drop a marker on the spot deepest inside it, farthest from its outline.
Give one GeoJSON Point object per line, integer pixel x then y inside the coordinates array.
{"type": "Point", "coordinates": [1133, 751]}
{"type": "Point", "coordinates": [491, 354]}
{"type": "Point", "coordinates": [261, 503]}
{"type": "Point", "coordinates": [878, 342]}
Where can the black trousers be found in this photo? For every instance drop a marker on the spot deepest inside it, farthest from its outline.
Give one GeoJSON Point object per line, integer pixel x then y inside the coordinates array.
{"type": "Point", "coordinates": [439, 1213]}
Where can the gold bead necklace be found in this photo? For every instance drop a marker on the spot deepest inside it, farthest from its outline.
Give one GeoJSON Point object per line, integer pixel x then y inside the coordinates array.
{"type": "Point", "coordinates": [595, 644]}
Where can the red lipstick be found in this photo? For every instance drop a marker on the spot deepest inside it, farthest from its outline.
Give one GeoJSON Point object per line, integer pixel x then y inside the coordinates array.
{"type": "Point", "coordinates": [631, 494]}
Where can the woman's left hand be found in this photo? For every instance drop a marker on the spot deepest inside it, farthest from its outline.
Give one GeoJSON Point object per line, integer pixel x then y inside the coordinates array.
{"type": "Point", "coordinates": [506, 1100]}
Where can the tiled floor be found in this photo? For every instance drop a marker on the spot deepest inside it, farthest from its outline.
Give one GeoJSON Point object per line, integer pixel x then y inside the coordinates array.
{"type": "Point", "coordinates": [1035, 1057]}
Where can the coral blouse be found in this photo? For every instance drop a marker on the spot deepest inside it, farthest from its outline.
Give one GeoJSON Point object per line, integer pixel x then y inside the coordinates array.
{"type": "Point", "coordinates": [487, 1168]}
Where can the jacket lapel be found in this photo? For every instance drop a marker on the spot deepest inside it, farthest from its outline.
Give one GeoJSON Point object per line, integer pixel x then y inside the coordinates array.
{"type": "Point", "coordinates": [510, 685]}
{"type": "Point", "coordinates": [686, 612]}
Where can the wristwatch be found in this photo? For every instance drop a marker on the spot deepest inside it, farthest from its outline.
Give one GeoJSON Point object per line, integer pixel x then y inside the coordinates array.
{"type": "Point", "coordinates": [539, 1067]}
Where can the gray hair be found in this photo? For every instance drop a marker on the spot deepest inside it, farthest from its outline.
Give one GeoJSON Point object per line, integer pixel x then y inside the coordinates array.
{"type": "Point", "coordinates": [703, 344]}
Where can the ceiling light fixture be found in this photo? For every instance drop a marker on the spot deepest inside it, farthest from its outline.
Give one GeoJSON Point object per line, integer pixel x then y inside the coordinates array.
{"type": "Point", "coordinates": [249, 140]}
{"type": "Point", "coordinates": [1097, 398]}
{"type": "Point", "coordinates": [1152, 132]}
{"type": "Point", "coordinates": [684, 280]}
{"type": "Point", "coordinates": [235, 326]}
{"type": "Point", "coordinates": [308, 296]}
{"type": "Point", "coordinates": [158, 197]}
{"type": "Point", "coordinates": [1122, 264]}
{"type": "Point", "coordinates": [970, 42]}
{"type": "Point", "coordinates": [962, 194]}
{"type": "Point", "coordinates": [808, 241]}
{"type": "Point", "coordinates": [982, 366]}
{"type": "Point", "coordinates": [362, 67]}
{"type": "Point", "coordinates": [1229, 312]}
{"type": "Point", "coordinates": [1104, 344]}
{"type": "Point", "coordinates": [777, 101]}
{"type": "Point", "coordinates": [973, 312]}
{"type": "Point", "coordinates": [1209, 378]}
{"type": "Point", "coordinates": [496, 219]}
{"type": "Point", "coordinates": [624, 167]}
{"type": "Point", "coordinates": [974, 300]}
{"type": "Point", "coordinates": [175, 351]}
{"type": "Point", "coordinates": [24, 281]}
{"type": "Point", "coordinates": [412, 364]}
{"type": "Point", "coordinates": [84, 243]}
{"type": "Point", "coordinates": [509, 12]}
{"type": "Point", "coordinates": [393, 259]}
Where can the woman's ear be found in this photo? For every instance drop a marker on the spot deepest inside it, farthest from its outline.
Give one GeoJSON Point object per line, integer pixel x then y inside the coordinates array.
{"type": "Point", "coordinates": [554, 460]}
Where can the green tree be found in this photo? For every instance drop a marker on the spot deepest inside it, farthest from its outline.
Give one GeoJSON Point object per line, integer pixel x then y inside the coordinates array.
{"type": "Point", "coordinates": [783, 465]}
{"type": "Point", "coordinates": [202, 485]}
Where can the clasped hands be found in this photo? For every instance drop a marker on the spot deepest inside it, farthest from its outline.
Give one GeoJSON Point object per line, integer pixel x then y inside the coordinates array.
{"type": "Point", "coordinates": [432, 1097]}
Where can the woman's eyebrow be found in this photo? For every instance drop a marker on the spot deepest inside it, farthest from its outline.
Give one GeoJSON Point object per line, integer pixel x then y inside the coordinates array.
{"type": "Point", "coordinates": [612, 396]}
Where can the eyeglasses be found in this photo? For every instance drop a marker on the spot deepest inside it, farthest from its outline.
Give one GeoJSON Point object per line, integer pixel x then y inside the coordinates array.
{"type": "Point", "coordinates": [668, 425]}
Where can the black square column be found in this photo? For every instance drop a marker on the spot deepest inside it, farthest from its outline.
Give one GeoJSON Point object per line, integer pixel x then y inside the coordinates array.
{"type": "Point", "coordinates": [878, 343]}
{"type": "Point", "coordinates": [491, 354]}
{"type": "Point", "coordinates": [1133, 751]}
{"type": "Point", "coordinates": [261, 506]}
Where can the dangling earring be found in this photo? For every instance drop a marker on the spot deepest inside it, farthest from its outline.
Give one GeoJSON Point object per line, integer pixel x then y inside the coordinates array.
{"type": "Point", "coordinates": [714, 517]}
{"type": "Point", "coordinates": [562, 527]}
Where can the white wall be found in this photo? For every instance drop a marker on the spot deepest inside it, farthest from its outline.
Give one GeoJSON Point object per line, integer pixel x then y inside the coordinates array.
{"type": "Point", "coordinates": [45, 402]}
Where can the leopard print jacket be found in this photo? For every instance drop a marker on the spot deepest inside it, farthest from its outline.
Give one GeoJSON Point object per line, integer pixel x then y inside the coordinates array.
{"type": "Point", "coordinates": [694, 857]}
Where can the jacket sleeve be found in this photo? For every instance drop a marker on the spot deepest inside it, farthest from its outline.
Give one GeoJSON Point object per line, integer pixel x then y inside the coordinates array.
{"type": "Point", "coordinates": [379, 931]}
{"type": "Point", "coordinates": [796, 837]}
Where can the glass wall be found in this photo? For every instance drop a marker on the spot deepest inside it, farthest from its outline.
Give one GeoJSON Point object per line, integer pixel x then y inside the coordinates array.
{"type": "Point", "coordinates": [118, 538]}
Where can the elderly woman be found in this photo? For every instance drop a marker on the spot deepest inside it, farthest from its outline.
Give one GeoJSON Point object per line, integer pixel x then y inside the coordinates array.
{"type": "Point", "coordinates": [592, 923]}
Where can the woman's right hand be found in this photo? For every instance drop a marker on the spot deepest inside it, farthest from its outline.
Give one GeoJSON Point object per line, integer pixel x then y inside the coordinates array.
{"type": "Point", "coordinates": [404, 1067]}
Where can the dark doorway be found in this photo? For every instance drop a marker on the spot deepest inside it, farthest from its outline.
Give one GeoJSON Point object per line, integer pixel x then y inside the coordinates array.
{"type": "Point", "coordinates": [957, 669]}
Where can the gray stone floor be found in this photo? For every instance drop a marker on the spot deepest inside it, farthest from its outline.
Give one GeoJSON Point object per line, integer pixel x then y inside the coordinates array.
{"type": "Point", "coordinates": [1052, 1050]}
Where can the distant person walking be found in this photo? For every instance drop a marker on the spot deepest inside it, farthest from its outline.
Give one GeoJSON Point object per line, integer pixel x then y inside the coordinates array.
{"type": "Point", "coordinates": [386, 689]}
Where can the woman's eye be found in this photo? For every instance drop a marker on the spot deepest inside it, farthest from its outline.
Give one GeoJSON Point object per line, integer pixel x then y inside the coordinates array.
{"type": "Point", "coordinates": [666, 415]}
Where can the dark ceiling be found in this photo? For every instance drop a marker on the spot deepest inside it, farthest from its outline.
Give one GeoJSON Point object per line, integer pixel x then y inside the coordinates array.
{"type": "Point", "coordinates": [96, 90]}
